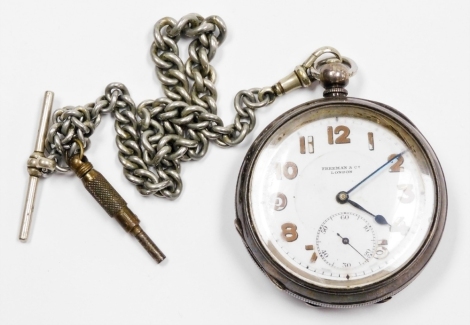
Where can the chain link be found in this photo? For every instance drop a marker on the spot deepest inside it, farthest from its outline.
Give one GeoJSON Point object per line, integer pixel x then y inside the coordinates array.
{"type": "Point", "coordinates": [154, 137]}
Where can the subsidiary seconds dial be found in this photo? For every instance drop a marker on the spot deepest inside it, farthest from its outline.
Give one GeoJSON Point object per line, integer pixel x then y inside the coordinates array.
{"type": "Point", "coordinates": [346, 240]}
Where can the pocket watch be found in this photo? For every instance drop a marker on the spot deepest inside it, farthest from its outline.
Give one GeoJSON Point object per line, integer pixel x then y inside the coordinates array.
{"type": "Point", "coordinates": [340, 201]}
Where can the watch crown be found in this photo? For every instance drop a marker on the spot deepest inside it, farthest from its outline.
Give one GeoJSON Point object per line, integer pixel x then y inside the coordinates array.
{"type": "Point", "coordinates": [334, 76]}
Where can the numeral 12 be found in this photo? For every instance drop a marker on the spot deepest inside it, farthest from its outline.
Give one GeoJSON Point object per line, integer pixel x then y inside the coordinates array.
{"type": "Point", "coordinates": [342, 138]}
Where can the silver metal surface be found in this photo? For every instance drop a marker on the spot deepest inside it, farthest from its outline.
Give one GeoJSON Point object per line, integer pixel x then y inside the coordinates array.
{"type": "Point", "coordinates": [155, 136]}
{"type": "Point", "coordinates": [313, 59]}
{"type": "Point", "coordinates": [36, 164]}
{"type": "Point", "coordinates": [314, 69]}
{"type": "Point", "coordinates": [330, 297]}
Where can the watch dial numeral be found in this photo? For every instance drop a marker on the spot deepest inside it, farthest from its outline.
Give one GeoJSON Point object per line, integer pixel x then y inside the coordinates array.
{"type": "Point", "coordinates": [310, 144]}
{"type": "Point", "coordinates": [400, 226]}
{"type": "Point", "coordinates": [302, 145]}
{"type": "Point", "coordinates": [289, 170]}
{"type": "Point", "coordinates": [343, 132]}
{"type": "Point", "coordinates": [396, 167]}
{"type": "Point", "coordinates": [408, 194]}
{"type": "Point", "coordinates": [306, 145]}
{"type": "Point", "coordinates": [289, 232]}
{"type": "Point", "coordinates": [370, 137]}
{"type": "Point", "coordinates": [343, 138]}
{"type": "Point", "coordinates": [382, 242]}
{"type": "Point", "coordinates": [314, 257]}
{"type": "Point", "coordinates": [280, 201]}
{"type": "Point", "coordinates": [330, 135]}
{"type": "Point", "coordinates": [381, 251]}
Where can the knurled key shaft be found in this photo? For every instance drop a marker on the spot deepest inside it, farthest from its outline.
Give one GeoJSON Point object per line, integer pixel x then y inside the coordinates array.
{"type": "Point", "coordinates": [113, 203]}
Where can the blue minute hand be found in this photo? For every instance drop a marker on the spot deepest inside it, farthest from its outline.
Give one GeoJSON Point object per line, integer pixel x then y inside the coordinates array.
{"type": "Point", "coordinates": [374, 172]}
{"type": "Point", "coordinates": [343, 197]}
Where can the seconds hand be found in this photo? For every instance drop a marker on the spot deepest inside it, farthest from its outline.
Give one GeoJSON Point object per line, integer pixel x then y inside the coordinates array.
{"type": "Point", "coordinates": [346, 242]}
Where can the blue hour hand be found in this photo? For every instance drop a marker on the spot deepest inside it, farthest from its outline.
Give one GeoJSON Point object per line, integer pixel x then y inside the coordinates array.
{"type": "Point", "coordinates": [343, 198]}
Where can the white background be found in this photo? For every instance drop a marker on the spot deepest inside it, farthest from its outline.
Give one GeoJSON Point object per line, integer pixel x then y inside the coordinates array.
{"type": "Point", "coordinates": [80, 267]}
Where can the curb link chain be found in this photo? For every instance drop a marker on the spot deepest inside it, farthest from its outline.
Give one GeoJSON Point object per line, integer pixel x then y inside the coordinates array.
{"type": "Point", "coordinates": [154, 137]}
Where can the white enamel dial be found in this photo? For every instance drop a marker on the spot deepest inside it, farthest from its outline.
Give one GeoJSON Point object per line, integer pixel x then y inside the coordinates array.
{"type": "Point", "coordinates": [381, 221]}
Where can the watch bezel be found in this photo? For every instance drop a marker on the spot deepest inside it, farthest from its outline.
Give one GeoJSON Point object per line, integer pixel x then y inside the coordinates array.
{"type": "Point", "coordinates": [334, 297]}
